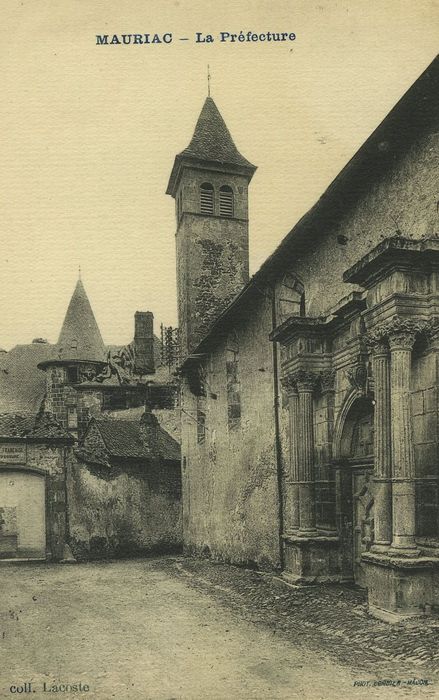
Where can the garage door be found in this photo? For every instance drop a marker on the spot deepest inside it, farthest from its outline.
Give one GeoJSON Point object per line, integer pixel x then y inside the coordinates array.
{"type": "Point", "coordinates": [22, 515]}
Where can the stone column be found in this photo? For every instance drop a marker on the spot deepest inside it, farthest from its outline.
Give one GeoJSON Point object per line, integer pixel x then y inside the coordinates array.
{"type": "Point", "coordinates": [307, 518]}
{"type": "Point", "coordinates": [327, 384]}
{"type": "Point", "coordinates": [382, 447]}
{"type": "Point", "coordinates": [401, 342]}
{"type": "Point", "coordinates": [327, 477]}
{"type": "Point", "coordinates": [292, 506]}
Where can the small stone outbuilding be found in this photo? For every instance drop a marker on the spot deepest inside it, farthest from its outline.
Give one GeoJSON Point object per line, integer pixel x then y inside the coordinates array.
{"type": "Point", "coordinates": [125, 489]}
{"type": "Point", "coordinates": [34, 453]}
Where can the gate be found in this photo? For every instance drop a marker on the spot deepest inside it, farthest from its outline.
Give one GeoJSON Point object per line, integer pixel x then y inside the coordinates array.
{"type": "Point", "coordinates": [22, 515]}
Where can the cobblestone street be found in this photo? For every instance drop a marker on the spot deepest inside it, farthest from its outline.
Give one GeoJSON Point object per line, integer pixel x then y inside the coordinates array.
{"type": "Point", "coordinates": [181, 628]}
{"type": "Point", "coordinates": [332, 619]}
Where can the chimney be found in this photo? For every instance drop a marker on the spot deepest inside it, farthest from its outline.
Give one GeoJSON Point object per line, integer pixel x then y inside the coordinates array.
{"type": "Point", "coordinates": [144, 342]}
{"type": "Point", "coordinates": [149, 429]}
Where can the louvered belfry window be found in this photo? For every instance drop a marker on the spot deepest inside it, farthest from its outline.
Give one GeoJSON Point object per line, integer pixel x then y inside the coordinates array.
{"type": "Point", "coordinates": [226, 201]}
{"type": "Point", "coordinates": [206, 198]}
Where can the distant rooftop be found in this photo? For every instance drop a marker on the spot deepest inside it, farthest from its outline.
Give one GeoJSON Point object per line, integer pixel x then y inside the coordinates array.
{"type": "Point", "coordinates": [22, 384]}
{"type": "Point", "coordinates": [126, 439]}
{"type": "Point", "coordinates": [80, 337]}
{"type": "Point", "coordinates": [41, 426]}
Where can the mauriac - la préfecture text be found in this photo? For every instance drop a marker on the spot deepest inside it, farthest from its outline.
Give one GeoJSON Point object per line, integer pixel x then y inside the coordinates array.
{"type": "Point", "coordinates": [197, 38]}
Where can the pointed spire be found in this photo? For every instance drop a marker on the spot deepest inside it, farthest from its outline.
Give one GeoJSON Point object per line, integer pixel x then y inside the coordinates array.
{"type": "Point", "coordinates": [212, 139]}
{"type": "Point", "coordinates": [211, 142]}
{"type": "Point", "coordinates": [80, 338]}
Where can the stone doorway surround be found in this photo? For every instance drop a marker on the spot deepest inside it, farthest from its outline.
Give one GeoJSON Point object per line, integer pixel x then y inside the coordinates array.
{"type": "Point", "coordinates": [354, 469]}
{"type": "Point", "coordinates": [369, 339]}
{"type": "Point", "coordinates": [401, 282]}
{"type": "Point", "coordinates": [22, 513]}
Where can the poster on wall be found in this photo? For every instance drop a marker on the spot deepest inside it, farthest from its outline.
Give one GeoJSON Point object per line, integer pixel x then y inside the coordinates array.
{"type": "Point", "coordinates": [219, 335]}
{"type": "Point", "coordinates": [12, 454]}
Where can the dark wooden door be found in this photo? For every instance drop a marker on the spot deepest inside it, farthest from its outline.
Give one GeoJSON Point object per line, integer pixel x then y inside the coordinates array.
{"type": "Point", "coordinates": [362, 504]}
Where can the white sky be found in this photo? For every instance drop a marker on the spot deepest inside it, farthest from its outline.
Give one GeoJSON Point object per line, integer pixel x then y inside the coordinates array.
{"type": "Point", "coordinates": [89, 134]}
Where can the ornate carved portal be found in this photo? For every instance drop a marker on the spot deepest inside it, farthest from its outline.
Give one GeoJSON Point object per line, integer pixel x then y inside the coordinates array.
{"type": "Point", "coordinates": [356, 486]}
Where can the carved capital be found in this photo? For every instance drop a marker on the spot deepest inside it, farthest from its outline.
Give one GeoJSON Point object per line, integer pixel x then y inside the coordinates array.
{"type": "Point", "coordinates": [402, 340]}
{"type": "Point", "coordinates": [399, 333]}
{"type": "Point", "coordinates": [289, 384]}
{"type": "Point", "coordinates": [327, 380]}
{"type": "Point", "coordinates": [432, 331]}
{"type": "Point", "coordinates": [377, 345]}
{"type": "Point", "coordinates": [305, 380]}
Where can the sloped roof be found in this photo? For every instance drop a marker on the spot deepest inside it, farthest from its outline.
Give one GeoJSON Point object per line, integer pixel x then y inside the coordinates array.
{"type": "Point", "coordinates": [126, 439]}
{"type": "Point", "coordinates": [15, 425]}
{"type": "Point", "coordinates": [41, 426]}
{"type": "Point", "coordinates": [168, 447]}
{"type": "Point", "coordinates": [211, 142]}
{"type": "Point", "coordinates": [80, 337]}
{"type": "Point", "coordinates": [123, 438]}
{"type": "Point", "coordinates": [22, 385]}
{"type": "Point", "coordinates": [212, 139]}
{"type": "Point", "coordinates": [46, 426]}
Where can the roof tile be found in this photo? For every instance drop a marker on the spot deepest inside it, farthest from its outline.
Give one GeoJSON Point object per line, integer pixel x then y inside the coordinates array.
{"type": "Point", "coordinates": [212, 139]}
{"type": "Point", "coordinates": [28, 425]}
{"type": "Point", "coordinates": [128, 439]}
{"type": "Point", "coordinates": [80, 337]}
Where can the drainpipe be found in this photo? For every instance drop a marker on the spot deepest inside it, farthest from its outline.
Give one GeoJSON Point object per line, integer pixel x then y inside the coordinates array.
{"type": "Point", "coordinates": [278, 442]}
{"type": "Point", "coordinates": [67, 557]}
{"type": "Point", "coordinates": [66, 455]}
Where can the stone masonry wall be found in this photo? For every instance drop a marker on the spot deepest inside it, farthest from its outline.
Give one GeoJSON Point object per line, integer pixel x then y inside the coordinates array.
{"type": "Point", "coordinates": [229, 480]}
{"type": "Point", "coordinates": [212, 253]}
{"type": "Point", "coordinates": [71, 408]}
{"type": "Point", "coordinates": [89, 406]}
{"type": "Point", "coordinates": [230, 496]}
{"type": "Point", "coordinates": [130, 509]}
{"type": "Point", "coordinates": [407, 194]}
{"type": "Point", "coordinates": [57, 393]}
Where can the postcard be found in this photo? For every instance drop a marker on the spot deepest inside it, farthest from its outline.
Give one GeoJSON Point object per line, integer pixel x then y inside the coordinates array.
{"type": "Point", "coordinates": [219, 338]}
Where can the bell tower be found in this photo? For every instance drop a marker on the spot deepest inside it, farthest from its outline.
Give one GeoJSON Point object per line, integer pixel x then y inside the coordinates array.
{"type": "Point", "coordinates": [209, 182]}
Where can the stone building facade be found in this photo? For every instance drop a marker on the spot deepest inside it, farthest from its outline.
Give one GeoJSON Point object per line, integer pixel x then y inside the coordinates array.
{"type": "Point", "coordinates": [209, 182]}
{"type": "Point", "coordinates": [34, 452]}
{"type": "Point", "coordinates": [62, 495]}
{"type": "Point", "coordinates": [125, 489]}
{"type": "Point", "coordinates": [310, 407]}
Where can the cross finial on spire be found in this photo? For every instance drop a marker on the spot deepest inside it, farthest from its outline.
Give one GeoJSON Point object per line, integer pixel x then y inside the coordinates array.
{"type": "Point", "coordinates": [79, 271]}
{"type": "Point", "coordinates": [208, 80]}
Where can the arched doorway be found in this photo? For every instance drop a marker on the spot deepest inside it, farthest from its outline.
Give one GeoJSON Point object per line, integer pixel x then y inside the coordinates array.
{"type": "Point", "coordinates": [356, 489]}
{"type": "Point", "coordinates": [22, 514]}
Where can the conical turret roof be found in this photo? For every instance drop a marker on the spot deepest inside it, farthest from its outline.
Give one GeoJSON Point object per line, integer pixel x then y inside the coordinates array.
{"type": "Point", "coordinates": [211, 142]}
{"type": "Point", "coordinates": [212, 139]}
{"type": "Point", "coordinates": [80, 338]}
